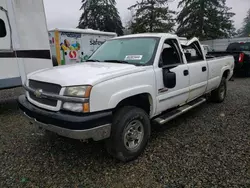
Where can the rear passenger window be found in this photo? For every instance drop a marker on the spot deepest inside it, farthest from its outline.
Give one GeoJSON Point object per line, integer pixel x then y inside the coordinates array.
{"type": "Point", "coordinates": [193, 53]}
{"type": "Point", "coordinates": [3, 32]}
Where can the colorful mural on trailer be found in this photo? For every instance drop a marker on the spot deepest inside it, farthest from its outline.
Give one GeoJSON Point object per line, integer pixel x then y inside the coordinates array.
{"type": "Point", "coordinates": [74, 47]}
{"type": "Point", "coordinates": [70, 48]}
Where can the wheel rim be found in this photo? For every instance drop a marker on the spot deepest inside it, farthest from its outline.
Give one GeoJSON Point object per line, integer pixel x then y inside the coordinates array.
{"type": "Point", "coordinates": [133, 135]}
{"type": "Point", "coordinates": [222, 91]}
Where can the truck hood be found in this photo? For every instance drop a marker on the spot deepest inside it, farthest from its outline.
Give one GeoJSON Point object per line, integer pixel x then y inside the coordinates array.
{"type": "Point", "coordinates": [88, 73]}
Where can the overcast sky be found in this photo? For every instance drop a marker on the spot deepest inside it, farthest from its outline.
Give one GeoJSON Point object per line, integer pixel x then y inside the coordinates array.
{"type": "Point", "coordinates": [65, 13]}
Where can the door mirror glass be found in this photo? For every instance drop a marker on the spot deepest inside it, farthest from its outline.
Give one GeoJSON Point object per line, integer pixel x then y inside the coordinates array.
{"type": "Point", "coordinates": [3, 32]}
{"type": "Point", "coordinates": [169, 78]}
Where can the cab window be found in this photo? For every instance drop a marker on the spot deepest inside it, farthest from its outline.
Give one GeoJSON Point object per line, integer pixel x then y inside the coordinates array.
{"type": "Point", "coordinates": [170, 54]}
{"type": "Point", "coordinates": [3, 32]}
{"type": "Point", "coordinates": [193, 53]}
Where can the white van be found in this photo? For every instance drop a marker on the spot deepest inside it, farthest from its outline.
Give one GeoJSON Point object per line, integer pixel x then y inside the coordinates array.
{"type": "Point", "coordinates": [24, 41]}
{"type": "Point", "coordinates": [71, 46]}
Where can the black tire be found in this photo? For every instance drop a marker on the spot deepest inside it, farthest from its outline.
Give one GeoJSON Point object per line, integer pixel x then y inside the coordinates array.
{"type": "Point", "coordinates": [220, 93]}
{"type": "Point", "coordinates": [123, 119]}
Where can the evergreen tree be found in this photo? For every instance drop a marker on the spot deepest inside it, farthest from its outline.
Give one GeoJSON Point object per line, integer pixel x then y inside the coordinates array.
{"type": "Point", "coordinates": [152, 16]}
{"type": "Point", "coordinates": [245, 30]}
{"type": "Point", "coordinates": [101, 15]}
{"type": "Point", "coordinates": [206, 19]}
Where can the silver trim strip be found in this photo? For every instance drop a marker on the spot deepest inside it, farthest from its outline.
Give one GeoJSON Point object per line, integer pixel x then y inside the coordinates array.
{"type": "Point", "coordinates": [167, 98]}
{"type": "Point", "coordinates": [58, 97]}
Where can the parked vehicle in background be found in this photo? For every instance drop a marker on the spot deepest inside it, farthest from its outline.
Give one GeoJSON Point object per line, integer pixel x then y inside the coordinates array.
{"type": "Point", "coordinates": [127, 83]}
{"type": "Point", "coordinates": [206, 49]}
{"type": "Point", "coordinates": [241, 53]}
{"type": "Point", "coordinates": [71, 46]}
{"type": "Point", "coordinates": [24, 45]}
{"type": "Point", "coordinates": [222, 44]}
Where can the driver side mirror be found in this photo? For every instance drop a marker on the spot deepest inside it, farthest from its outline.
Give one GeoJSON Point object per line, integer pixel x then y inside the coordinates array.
{"type": "Point", "coordinates": [169, 78]}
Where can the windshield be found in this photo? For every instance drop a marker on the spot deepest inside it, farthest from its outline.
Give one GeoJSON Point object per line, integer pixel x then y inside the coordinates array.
{"type": "Point", "coordinates": [239, 47]}
{"type": "Point", "coordinates": [137, 51]}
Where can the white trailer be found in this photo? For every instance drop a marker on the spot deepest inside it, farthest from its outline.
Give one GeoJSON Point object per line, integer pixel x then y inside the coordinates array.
{"type": "Point", "coordinates": [71, 46]}
{"type": "Point", "coordinates": [24, 41]}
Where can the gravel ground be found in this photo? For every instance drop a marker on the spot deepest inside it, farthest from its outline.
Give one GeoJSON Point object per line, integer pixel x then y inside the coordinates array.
{"type": "Point", "coordinates": [207, 147]}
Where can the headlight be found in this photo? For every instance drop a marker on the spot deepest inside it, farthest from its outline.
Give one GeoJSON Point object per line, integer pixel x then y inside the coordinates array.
{"type": "Point", "coordinates": [78, 91]}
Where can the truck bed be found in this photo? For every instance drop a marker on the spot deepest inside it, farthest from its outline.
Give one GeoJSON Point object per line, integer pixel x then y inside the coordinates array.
{"type": "Point", "coordinates": [239, 64]}
{"type": "Point", "coordinates": [223, 53]}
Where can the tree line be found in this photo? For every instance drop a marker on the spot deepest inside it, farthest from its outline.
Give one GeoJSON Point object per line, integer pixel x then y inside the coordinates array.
{"type": "Point", "coordinates": [201, 18]}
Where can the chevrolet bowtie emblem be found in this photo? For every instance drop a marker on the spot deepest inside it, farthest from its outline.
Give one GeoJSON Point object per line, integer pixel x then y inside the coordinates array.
{"type": "Point", "coordinates": [38, 93]}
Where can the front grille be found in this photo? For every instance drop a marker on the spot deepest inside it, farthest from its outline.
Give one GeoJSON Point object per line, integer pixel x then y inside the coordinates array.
{"type": "Point", "coordinates": [46, 87]}
{"type": "Point", "coordinates": [49, 102]}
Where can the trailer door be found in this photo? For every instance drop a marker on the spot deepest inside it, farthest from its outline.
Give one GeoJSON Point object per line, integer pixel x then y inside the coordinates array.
{"type": "Point", "coordinates": [9, 70]}
{"type": "Point", "coordinates": [5, 40]}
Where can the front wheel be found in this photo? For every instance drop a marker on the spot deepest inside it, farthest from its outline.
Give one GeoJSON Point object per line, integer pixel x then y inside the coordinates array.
{"type": "Point", "coordinates": [130, 133]}
{"type": "Point", "coordinates": [220, 93]}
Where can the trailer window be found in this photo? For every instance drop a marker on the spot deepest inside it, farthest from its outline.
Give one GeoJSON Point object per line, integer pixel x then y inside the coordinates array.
{"type": "Point", "coordinates": [3, 32]}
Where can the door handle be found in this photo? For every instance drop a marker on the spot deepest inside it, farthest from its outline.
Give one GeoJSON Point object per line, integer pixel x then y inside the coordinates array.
{"type": "Point", "coordinates": [185, 72]}
{"type": "Point", "coordinates": [204, 69]}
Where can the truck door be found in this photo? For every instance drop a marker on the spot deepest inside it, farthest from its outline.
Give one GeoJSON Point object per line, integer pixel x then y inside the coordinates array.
{"type": "Point", "coordinates": [172, 59]}
{"type": "Point", "coordinates": [198, 69]}
{"type": "Point", "coordinates": [9, 70]}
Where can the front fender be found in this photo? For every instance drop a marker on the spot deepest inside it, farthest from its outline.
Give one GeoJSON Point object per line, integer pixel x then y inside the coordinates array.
{"type": "Point", "coordinates": [119, 96]}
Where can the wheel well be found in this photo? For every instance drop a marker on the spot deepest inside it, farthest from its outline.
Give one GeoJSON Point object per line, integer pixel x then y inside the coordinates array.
{"type": "Point", "coordinates": [142, 101]}
{"type": "Point", "coordinates": [226, 74]}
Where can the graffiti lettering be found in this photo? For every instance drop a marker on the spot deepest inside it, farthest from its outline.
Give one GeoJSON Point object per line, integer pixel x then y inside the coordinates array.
{"type": "Point", "coordinates": [71, 35]}
{"type": "Point", "coordinates": [96, 42]}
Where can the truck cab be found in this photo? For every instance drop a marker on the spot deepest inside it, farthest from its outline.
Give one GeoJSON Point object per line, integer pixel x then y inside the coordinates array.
{"type": "Point", "coordinates": [126, 84]}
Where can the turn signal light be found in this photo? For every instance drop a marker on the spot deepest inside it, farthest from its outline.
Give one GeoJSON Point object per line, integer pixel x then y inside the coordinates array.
{"type": "Point", "coordinates": [85, 107]}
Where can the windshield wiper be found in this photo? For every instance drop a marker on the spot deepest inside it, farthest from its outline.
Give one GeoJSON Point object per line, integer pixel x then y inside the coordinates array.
{"type": "Point", "coordinates": [116, 61]}
{"type": "Point", "coordinates": [92, 60]}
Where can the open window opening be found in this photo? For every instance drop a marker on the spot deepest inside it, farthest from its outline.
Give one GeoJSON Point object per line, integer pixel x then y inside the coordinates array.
{"type": "Point", "coordinates": [171, 54]}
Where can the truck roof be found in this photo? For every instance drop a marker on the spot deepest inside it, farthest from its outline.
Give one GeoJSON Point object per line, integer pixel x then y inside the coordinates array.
{"type": "Point", "coordinates": [85, 31]}
{"type": "Point", "coordinates": [149, 35]}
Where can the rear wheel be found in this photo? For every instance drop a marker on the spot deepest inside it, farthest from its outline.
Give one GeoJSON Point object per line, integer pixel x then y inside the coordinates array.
{"type": "Point", "coordinates": [220, 93]}
{"type": "Point", "coordinates": [130, 133]}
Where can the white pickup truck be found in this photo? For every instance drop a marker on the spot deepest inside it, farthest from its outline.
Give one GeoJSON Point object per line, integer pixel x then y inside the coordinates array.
{"type": "Point", "coordinates": [126, 84]}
